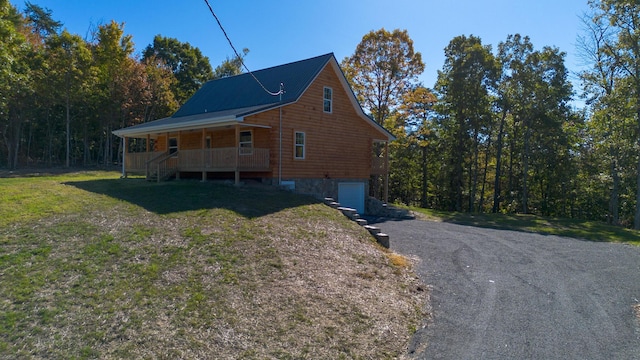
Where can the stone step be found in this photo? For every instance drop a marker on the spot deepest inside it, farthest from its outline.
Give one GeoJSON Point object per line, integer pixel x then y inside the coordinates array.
{"type": "Point", "coordinates": [372, 229]}
{"type": "Point", "coordinates": [329, 200]}
{"type": "Point", "coordinates": [382, 239]}
{"type": "Point", "coordinates": [334, 204]}
{"type": "Point", "coordinates": [362, 222]}
{"type": "Point", "coordinates": [349, 212]}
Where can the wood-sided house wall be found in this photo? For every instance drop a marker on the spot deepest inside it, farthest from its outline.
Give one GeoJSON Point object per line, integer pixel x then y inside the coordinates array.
{"type": "Point", "coordinates": [338, 145]}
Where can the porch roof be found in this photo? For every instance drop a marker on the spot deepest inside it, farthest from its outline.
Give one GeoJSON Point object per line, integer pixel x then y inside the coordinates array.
{"type": "Point", "coordinates": [193, 122]}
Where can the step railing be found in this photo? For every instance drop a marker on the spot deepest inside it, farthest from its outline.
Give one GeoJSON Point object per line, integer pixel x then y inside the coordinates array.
{"type": "Point", "coordinates": [162, 166]}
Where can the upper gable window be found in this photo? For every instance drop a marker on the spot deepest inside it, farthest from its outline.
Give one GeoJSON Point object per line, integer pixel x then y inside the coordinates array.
{"type": "Point", "coordinates": [300, 144]}
{"type": "Point", "coordinates": [328, 100]}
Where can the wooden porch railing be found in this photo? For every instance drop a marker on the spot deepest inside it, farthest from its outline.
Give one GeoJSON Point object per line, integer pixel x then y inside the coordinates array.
{"type": "Point", "coordinates": [158, 165]}
{"type": "Point", "coordinates": [224, 159]}
{"type": "Point", "coordinates": [137, 162]}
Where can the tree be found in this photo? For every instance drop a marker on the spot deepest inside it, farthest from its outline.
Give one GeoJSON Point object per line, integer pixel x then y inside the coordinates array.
{"type": "Point", "coordinates": [160, 80]}
{"type": "Point", "coordinates": [230, 67]}
{"type": "Point", "coordinates": [623, 48]}
{"type": "Point", "coordinates": [383, 67]}
{"type": "Point", "coordinates": [69, 66]}
{"type": "Point", "coordinates": [113, 63]}
{"type": "Point", "coordinates": [464, 86]}
{"type": "Point", "coordinates": [41, 19]}
{"type": "Point", "coordinates": [17, 56]}
{"type": "Point", "coordinates": [417, 106]}
{"type": "Point", "coordinates": [512, 55]}
{"type": "Point", "coordinates": [189, 66]}
{"type": "Point", "coordinates": [533, 92]}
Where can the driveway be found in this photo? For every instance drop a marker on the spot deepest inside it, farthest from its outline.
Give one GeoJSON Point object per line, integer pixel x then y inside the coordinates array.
{"type": "Point", "coordinates": [500, 294]}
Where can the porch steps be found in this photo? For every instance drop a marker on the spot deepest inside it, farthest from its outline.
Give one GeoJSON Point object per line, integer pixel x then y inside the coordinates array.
{"type": "Point", "coordinates": [382, 239]}
{"type": "Point", "coordinates": [153, 177]}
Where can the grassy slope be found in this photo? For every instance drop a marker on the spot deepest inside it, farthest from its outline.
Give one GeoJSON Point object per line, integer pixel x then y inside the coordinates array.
{"type": "Point", "coordinates": [96, 267]}
{"type": "Point", "coordinates": [580, 229]}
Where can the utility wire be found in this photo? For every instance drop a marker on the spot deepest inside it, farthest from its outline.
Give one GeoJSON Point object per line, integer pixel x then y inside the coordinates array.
{"type": "Point", "coordinates": [240, 57]}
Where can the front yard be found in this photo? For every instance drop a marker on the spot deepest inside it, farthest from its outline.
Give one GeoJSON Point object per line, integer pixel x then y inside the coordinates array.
{"type": "Point", "coordinates": [92, 266]}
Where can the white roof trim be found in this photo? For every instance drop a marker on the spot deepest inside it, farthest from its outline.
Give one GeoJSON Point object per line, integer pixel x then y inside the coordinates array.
{"type": "Point", "coordinates": [354, 101]}
{"type": "Point", "coordinates": [185, 125]}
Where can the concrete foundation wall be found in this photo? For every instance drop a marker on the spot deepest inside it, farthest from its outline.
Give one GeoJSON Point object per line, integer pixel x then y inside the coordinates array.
{"type": "Point", "coordinates": [319, 188]}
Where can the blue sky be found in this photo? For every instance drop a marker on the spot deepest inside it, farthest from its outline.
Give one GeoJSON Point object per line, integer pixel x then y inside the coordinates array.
{"type": "Point", "coordinates": [282, 31]}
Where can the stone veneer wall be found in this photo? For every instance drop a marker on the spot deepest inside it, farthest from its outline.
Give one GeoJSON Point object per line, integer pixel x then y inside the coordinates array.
{"type": "Point", "coordinates": [323, 188]}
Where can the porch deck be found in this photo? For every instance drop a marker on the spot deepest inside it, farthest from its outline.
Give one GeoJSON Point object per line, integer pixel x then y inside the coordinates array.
{"type": "Point", "coordinates": [201, 160]}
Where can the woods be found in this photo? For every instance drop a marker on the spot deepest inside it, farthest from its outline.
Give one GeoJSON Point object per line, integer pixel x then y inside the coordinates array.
{"type": "Point", "coordinates": [497, 132]}
{"type": "Point", "coordinates": [62, 95]}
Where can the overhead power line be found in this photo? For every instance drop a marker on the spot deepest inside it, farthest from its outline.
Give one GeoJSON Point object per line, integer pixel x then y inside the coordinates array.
{"type": "Point", "coordinates": [280, 92]}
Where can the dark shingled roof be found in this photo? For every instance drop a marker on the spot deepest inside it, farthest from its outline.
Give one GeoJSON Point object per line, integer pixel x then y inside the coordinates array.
{"type": "Point", "coordinates": [225, 101]}
{"type": "Point", "coordinates": [242, 91]}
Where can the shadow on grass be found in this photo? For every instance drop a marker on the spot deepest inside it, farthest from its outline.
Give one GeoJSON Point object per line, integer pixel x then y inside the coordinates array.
{"type": "Point", "coordinates": [188, 195]}
{"type": "Point", "coordinates": [578, 229]}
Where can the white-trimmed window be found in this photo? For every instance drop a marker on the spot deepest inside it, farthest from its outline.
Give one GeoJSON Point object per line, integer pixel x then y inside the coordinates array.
{"type": "Point", "coordinates": [327, 96]}
{"type": "Point", "coordinates": [246, 143]}
{"type": "Point", "coordinates": [173, 145]}
{"type": "Point", "coordinates": [299, 151]}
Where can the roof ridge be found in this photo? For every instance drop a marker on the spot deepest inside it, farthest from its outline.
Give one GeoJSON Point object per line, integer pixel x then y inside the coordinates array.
{"type": "Point", "coordinates": [270, 68]}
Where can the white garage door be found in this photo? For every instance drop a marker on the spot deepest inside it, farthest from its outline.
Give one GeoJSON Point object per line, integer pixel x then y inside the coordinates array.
{"type": "Point", "coordinates": [351, 195]}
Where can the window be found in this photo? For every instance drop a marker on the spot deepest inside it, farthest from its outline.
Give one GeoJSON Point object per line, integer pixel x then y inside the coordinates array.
{"type": "Point", "coordinates": [328, 100]}
{"type": "Point", "coordinates": [173, 145]}
{"type": "Point", "coordinates": [246, 143]}
{"type": "Point", "coordinates": [299, 151]}
{"type": "Point", "coordinates": [208, 142]}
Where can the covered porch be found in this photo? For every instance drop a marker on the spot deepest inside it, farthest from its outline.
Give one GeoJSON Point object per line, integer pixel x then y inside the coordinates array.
{"type": "Point", "coordinates": [207, 150]}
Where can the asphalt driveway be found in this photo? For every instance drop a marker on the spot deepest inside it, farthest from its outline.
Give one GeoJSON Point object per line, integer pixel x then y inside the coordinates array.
{"type": "Point", "coordinates": [500, 294]}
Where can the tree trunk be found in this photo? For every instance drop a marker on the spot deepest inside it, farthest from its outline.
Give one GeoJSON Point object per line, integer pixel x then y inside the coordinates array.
{"type": "Point", "coordinates": [636, 219]}
{"type": "Point", "coordinates": [484, 174]}
{"type": "Point", "coordinates": [525, 170]}
{"type": "Point", "coordinates": [614, 196]}
{"type": "Point", "coordinates": [68, 130]}
{"type": "Point", "coordinates": [496, 183]}
{"type": "Point", "coordinates": [423, 197]}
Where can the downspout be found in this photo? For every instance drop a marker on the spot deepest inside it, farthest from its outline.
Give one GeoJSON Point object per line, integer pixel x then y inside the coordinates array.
{"type": "Point", "coordinates": [280, 134]}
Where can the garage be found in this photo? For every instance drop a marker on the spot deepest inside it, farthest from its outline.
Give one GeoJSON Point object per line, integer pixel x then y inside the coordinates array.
{"type": "Point", "coordinates": [351, 194]}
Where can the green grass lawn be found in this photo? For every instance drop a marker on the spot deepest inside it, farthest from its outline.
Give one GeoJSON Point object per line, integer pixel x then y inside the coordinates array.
{"type": "Point", "coordinates": [580, 229]}
{"type": "Point", "coordinates": [93, 266]}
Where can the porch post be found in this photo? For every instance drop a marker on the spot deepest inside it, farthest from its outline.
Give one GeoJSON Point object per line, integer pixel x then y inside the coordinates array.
{"type": "Point", "coordinates": [125, 151]}
{"type": "Point", "coordinates": [179, 140]}
{"type": "Point", "coordinates": [386, 172]}
{"type": "Point", "coordinates": [148, 145]}
{"type": "Point", "coordinates": [203, 163]}
{"type": "Point", "coordinates": [237, 172]}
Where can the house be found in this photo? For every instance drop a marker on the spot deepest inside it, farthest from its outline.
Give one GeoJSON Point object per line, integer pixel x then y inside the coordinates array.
{"type": "Point", "coordinates": [313, 137]}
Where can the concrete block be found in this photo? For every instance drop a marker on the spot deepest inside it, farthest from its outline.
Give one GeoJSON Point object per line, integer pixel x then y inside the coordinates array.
{"type": "Point", "coordinates": [383, 239]}
{"type": "Point", "coordinates": [372, 229]}
{"type": "Point", "coordinates": [349, 212]}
